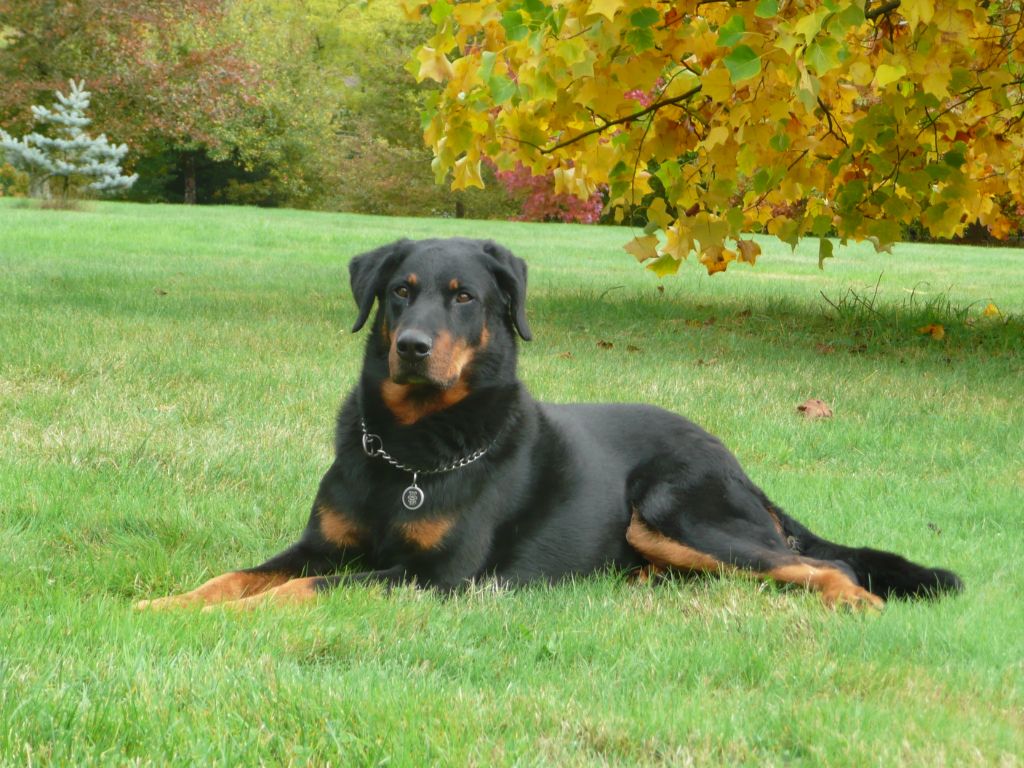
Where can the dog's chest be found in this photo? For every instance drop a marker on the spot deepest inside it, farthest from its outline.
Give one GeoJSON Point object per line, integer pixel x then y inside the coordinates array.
{"type": "Point", "coordinates": [400, 535]}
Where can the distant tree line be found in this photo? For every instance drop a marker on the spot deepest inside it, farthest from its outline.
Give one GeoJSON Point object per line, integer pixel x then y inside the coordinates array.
{"type": "Point", "coordinates": [317, 104]}
{"type": "Point", "coordinates": [299, 103]}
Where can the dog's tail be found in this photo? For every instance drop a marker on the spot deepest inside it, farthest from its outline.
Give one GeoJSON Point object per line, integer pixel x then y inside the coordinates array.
{"type": "Point", "coordinates": [883, 573]}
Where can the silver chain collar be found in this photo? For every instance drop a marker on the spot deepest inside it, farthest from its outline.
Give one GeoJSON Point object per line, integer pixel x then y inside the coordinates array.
{"type": "Point", "coordinates": [413, 496]}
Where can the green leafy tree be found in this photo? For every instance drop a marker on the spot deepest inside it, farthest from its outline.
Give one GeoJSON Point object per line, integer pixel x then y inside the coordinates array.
{"type": "Point", "coordinates": [343, 114]}
{"type": "Point", "coordinates": [169, 75]}
{"type": "Point", "coordinates": [71, 157]}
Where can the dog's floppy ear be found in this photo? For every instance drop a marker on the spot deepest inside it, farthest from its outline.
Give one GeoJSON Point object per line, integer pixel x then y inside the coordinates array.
{"type": "Point", "coordinates": [369, 273]}
{"type": "Point", "coordinates": [510, 272]}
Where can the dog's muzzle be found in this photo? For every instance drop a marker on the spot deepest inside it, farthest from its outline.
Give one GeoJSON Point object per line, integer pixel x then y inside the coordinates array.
{"type": "Point", "coordinates": [410, 359]}
{"type": "Point", "coordinates": [413, 346]}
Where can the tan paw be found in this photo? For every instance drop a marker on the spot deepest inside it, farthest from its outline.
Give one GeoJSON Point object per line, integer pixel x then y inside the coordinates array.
{"type": "Point", "coordinates": [171, 601]}
{"type": "Point", "coordinates": [292, 592]}
{"type": "Point", "coordinates": [853, 597]}
{"type": "Point", "coordinates": [228, 586]}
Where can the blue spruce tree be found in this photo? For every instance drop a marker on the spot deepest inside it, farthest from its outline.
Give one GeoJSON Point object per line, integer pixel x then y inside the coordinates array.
{"type": "Point", "coordinates": [71, 157]}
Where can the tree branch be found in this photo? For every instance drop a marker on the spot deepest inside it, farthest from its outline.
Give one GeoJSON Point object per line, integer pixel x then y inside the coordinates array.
{"type": "Point", "coordinates": [881, 10]}
{"type": "Point", "coordinates": [967, 95]}
{"type": "Point", "coordinates": [610, 123]}
{"type": "Point", "coordinates": [833, 124]}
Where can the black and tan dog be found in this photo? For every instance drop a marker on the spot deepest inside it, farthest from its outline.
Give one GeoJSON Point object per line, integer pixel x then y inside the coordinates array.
{"type": "Point", "coordinates": [446, 470]}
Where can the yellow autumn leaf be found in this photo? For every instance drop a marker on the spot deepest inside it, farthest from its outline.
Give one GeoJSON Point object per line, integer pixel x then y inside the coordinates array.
{"type": "Point", "coordinates": [606, 8]}
{"type": "Point", "coordinates": [664, 266]}
{"type": "Point", "coordinates": [472, 14]}
{"type": "Point", "coordinates": [716, 258]}
{"type": "Point", "coordinates": [991, 310]}
{"type": "Point", "coordinates": [935, 330]}
{"type": "Point", "coordinates": [717, 135]}
{"type": "Point", "coordinates": [861, 73]}
{"type": "Point", "coordinates": [467, 174]}
{"type": "Point", "coordinates": [657, 213]}
{"type": "Point", "coordinates": [710, 231]}
{"type": "Point", "coordinates": [434, 65]}
{"type": "Point", "coordinates": [935, 75]}
{"type": "Point", "coordinates": [1000, 226]}
{"type": "Point", "coordinates": [936, 83]}
{"type": "Point", "coordinates": [748, 251]}
{"type": "Point", "coordinates": [917, 11]}
{"type": "Point", "coordinates": [716, 84]}
{"type": "Point", "coordinates": [887, 73]}
{"type": "Point", "coordinates": [809, 25]}
{"type": "Point", "coordinates": [678, 242]}
{"type": "Point", "coordinates": [643, 248]}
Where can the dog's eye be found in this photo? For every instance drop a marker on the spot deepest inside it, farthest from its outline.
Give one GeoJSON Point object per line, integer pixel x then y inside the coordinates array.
{"type": "Point", "coordinates": [402, 292]}
{"type": "Point", "coordinates": [463, 297]}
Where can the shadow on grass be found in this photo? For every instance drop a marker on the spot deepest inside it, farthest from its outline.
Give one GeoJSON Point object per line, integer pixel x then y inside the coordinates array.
{"type": "Point", "coordinates": [849, 321]}
{"type": "Point", "coordinates": [845, 323]}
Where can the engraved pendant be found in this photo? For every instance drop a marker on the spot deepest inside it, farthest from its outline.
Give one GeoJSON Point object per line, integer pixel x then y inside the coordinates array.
{"type": "Point", "coordinates": [413, 496]}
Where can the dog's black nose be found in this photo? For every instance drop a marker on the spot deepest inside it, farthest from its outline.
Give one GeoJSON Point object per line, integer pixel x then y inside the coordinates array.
{"type": "Point", "coordinates": [413, 345]}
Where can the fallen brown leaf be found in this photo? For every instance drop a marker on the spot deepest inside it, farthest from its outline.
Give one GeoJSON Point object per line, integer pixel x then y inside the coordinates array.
{"type": "Point", "coordinates": [815, 409]}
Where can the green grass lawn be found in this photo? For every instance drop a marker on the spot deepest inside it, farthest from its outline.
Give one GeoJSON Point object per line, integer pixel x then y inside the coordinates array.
{"type": "Point", "coordinates": [168, 382]}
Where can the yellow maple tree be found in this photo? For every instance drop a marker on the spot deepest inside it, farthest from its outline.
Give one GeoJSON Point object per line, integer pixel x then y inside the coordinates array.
{"type": "Point", "coordinates": [846, 118]}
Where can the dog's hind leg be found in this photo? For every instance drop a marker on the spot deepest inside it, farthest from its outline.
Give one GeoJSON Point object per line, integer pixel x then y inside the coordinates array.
{"type": "Point", "coordinates": [836, 585]}
{"type": "Point", "coordinates": [715, 525]}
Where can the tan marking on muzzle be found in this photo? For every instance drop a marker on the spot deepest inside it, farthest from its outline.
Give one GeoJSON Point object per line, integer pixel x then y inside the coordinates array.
{"type": "Point", "coordinates": [449, 358]}
{"type": "Point", "coordinates": [448, 361]}
{"type": "Point", "coordinates": [409, 404]}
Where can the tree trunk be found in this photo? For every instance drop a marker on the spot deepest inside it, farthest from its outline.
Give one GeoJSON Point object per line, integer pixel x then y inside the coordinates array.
{"type": "Point", "coordinates": [39, 187]}
{"type": "Point", "coordinates": [190, 178]}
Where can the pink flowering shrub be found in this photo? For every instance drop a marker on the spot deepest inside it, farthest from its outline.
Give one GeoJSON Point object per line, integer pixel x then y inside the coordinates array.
{"type": "Point", "coordinates": [646, 98]}
{"type": "Point", "coordinates": [541, 203]}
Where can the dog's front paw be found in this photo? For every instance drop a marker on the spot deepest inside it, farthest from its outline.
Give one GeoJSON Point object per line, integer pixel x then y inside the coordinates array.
{"type": "Point", "coordinates": [224, 588]}
{"type": "Point", "coordinates": [853, 597]}
{"type": "Point", "coordinates": [292, 592]}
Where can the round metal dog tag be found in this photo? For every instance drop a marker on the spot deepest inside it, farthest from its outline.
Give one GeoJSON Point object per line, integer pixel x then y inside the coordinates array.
{"type": "Point", "coordinates": [413, 497]}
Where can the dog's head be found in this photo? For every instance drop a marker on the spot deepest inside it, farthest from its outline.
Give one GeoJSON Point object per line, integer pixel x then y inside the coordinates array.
{"type": "Point", "coordinates": [442, 305]}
